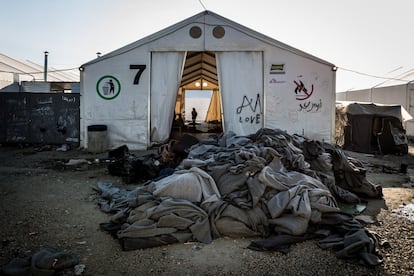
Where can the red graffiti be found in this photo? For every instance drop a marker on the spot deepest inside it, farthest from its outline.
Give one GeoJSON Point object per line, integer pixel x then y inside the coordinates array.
{"type": "Point", "coordinates": [302, 93]}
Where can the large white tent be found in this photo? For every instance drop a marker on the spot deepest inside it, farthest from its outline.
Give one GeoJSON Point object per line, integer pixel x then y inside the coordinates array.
{"type": "Point", "coordinates": [391, 92]}
{"type": "Point", "coordinates": [13, 70]}
{"type": "Point", "coordinates": [261, 82]}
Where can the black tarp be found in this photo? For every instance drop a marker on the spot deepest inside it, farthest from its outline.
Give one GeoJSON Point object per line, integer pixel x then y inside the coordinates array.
{"type": "Point", "coordinates": [370, 128]}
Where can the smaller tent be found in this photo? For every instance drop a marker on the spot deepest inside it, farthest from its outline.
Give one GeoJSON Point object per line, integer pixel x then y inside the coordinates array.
{"type": "Point", "coordinates": [371, 128]}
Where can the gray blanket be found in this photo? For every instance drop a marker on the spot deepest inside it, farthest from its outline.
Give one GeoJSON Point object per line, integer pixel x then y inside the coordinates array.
{"type": "Point", "coordinates": [269, 183]}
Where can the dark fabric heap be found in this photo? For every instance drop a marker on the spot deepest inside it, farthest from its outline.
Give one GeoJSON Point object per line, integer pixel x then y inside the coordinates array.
{"type": "Point", "coordinates": [45, 262]}
{"type": "Point", "coordinates": [133, 168]}
{"type": "Point", "coordinates": [271, 185]}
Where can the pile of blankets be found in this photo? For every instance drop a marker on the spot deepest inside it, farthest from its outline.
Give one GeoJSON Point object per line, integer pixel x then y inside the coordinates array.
{"type": "Point", "coordinates": [271, 186]}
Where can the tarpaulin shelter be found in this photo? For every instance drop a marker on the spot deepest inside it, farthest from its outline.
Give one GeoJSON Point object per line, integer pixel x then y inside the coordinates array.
{"type": "Point", "coordinates": [371, 128]}
{"type": "Point", "coordinates": [261, 83]}
{"type": "Point", "coordinates": [396, 91]}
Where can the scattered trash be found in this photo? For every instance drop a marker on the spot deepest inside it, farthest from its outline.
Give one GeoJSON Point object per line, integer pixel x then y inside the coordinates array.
{"type": "Point", "coordinates": [64, 147]}
{"type": "Point", "coordinates": [75, 162]}
{"type": "Point", "coordinates": [81, 242]}
{"type": "Point", "coordinates": [46, 261]}
{"type": "Point", "coordinates": [79, 269]}
{"type": "Point", "coordinates": [43, 148]}
{"type": "Point", "coordinates": [405, 211]}
{"type": "Point", "coordinates": [132, 168]}
{"type": "Point", "coordinates": [196, 247]}
{"type": "Point", "coordinates": [365, 219]}
{"type": "Point", "coordinates": [352, 209]}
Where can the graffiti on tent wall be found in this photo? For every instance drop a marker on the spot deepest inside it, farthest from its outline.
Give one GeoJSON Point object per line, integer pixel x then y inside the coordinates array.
{"type": "Point", "coordinates": [309, 106]}
{"type": "Point", "coordinates": [303, 93]}
{"type": "Point", "coordinates": [69, 99]}
{"type": "Point", "coordinates": [39, 118]}
{"type": "Point", "coordinates": [251, 105]}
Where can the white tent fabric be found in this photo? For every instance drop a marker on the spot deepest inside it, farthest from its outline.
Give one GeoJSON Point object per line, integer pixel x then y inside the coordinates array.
{"type": "Point", "coordinates": [167, 68]}
{"type": "Point", "coordinates": [214, 109]}
{"type": "Point", "coordinates": [241, 85]}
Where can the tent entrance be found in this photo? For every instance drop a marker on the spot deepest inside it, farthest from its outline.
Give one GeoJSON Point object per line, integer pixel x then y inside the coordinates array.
{"type": "Point", "coordinates": [199, 89]}
{"type": "Point", "coordinates": [234, 79]}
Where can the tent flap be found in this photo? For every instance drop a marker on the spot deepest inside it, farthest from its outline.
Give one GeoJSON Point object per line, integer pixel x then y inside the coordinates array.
{"type": "Point", "coordinates": [214, 109]}
{"type": "Point", "coordinates": [241, 85]}
{"type": "Point", "coordinates": [167, 68]}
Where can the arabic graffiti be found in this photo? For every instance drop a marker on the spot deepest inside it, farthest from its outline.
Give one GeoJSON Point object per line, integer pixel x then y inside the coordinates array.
{"type": "Point", "coordinates": [309, 106]}
{"type": "Point", "coordinates": [255, 108]}
{"type": "Point", "coordinates": [302, 93]}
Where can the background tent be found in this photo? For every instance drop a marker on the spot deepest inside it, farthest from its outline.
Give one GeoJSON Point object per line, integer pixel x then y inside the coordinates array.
{"type": "Point", "coordinates": [371, 128]}
{"type": "Point", "coordinates": [389, 92]}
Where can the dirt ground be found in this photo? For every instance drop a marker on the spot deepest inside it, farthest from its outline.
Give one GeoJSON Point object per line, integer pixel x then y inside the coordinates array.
{"type": "Point", "coordinates": [46, 202]}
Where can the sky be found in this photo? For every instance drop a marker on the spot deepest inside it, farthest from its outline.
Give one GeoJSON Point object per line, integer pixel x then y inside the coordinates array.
{"type": "Point", "coordinates": [363, 38]}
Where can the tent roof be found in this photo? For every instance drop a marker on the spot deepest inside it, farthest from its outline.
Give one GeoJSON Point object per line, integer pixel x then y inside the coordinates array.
{"type": "Point", "coordinates": [28, 68]}
{"type": "Point", "coordinates": [364, 108]}
{"type": "Point", "coordinates": [201, 65]}
{"type": "Point", "coordinates": [401, 79]}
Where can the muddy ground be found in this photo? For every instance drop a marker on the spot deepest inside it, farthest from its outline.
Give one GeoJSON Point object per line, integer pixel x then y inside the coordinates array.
{"type": "Point", "coordinates": [45, 202]}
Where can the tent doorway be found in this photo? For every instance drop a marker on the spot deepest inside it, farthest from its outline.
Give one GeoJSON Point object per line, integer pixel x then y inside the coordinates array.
{"type": "Point", "coordinates": [199, 90]}
{"type": "Point", "coordinates": [234, 78]}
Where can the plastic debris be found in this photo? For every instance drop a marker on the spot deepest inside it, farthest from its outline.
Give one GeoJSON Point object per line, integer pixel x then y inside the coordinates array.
{"type": "Point", "coordinates": [79, 269]}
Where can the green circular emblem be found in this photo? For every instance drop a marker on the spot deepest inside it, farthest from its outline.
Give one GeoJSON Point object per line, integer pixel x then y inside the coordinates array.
{"type": "Point", "coordinates": [108, 87]}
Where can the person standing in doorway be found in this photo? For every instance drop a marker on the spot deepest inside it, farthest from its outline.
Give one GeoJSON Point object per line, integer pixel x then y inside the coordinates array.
{"type": "Point", "coordinates": [194, 116]}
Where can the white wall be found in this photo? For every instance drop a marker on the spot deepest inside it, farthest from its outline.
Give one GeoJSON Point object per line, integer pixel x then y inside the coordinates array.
{"type": "Point", "coordinates": [359, 96]}
{"type": "Point", "coordinates": [287, 107]}
{"type": "Point", "coordinates": [390, 95]}
{"type": "Point", "coordinates": [126, 115]}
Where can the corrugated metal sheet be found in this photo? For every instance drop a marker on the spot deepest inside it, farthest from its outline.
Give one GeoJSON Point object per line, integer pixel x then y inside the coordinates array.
{"type": "Point", "coordinates": [34, 87]}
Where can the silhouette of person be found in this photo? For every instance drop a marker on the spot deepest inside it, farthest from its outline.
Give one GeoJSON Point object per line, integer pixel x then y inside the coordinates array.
{"type": "Point", "coordinates": [194, 116]}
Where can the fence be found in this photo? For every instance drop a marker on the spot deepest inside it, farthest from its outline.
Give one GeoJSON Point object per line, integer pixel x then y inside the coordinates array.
{"type": "Point", "coordinates": [39, 118]}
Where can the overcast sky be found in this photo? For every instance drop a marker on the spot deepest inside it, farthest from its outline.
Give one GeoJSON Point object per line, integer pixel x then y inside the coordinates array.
{"type": "Point", "coordinates": [374, 37]}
